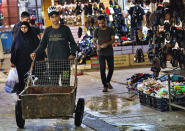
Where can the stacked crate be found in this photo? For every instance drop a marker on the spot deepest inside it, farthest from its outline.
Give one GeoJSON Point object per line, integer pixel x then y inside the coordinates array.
{"type": "Point", "coordinates": [94, 62]}
{"type": "Point", "coordinates": [160, 104]}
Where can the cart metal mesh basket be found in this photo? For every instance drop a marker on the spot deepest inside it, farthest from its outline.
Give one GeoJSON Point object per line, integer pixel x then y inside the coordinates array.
{"type": "Point", "coordinates": [53, 73]}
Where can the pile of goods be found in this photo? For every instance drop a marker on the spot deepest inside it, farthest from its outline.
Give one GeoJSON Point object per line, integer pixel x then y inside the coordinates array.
{"type": "Point", "coordinates": [86, 49]}
{"type": "Point", "coordinates": [154, 92]}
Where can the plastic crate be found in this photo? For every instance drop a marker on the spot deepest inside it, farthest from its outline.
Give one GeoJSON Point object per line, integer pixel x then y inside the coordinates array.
{"type": "Point", "coordinates": [180, 100]}
{"type": "Point", "coordinates": [153, 102]}
{"type": "Point", "coordinates": [148, 100]}
{"type": "Point", "coordinates": [95, 62]}
{"type": "Point", "coordinates": [142, 97]}
{"type": "Point", "coordinates": [162, 104]}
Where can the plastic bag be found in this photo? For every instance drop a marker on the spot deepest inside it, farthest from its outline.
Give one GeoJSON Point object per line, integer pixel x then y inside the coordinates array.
{"type": "Point", "coordinates": [11, 80]}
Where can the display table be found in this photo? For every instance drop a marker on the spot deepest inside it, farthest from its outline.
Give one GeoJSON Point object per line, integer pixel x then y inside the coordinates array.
{"type": "Point", "coordinates": [171, 104]}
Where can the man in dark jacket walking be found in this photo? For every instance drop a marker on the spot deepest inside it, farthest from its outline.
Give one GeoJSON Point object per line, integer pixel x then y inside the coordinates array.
{"type": "Point", "coordinates": [104, 37]}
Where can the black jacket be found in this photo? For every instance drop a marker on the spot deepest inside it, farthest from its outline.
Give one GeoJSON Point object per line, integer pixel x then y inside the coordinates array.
{"type": "Point", "coordinates": [60, 43]}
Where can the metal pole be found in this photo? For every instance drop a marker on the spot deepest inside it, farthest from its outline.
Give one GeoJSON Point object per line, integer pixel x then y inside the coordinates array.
{"type": "Point", "coordinates": [76, 79]}
{"type": "Point", "coordinates": [8, 6]}
{"type": "Point", "coordinates": [37, 10]}
{"type": "Point", "coordinates": [52, 2]}
{"type": "Point", "coordinates": [170, 107]}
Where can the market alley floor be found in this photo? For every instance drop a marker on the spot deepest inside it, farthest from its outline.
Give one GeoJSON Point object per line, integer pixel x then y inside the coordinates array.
{"type": "Point", "coordinates": [111, 111]}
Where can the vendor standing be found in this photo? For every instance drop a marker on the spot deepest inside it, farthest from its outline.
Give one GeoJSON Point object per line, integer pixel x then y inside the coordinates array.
{"type": "Point", "coordinates": [137, 17]}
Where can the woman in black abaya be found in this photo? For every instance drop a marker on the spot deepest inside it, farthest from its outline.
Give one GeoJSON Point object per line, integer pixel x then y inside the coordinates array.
{"type": "Point", "coordinates": [24, 44]}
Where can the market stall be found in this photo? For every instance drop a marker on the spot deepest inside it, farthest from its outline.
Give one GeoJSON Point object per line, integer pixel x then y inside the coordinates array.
{"type": "Point", "coordinates": [126, 52]}
{"type": "Point", "coordinates": [166, 43]}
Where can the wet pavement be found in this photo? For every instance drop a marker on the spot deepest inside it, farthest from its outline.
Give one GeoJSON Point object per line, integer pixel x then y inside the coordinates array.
{"type": "Point", "coordinates": [126, 114]}
{"type": "Point", "coordinates": [111, 105]}
{"type": "Point", "coordinates": [111, 111]}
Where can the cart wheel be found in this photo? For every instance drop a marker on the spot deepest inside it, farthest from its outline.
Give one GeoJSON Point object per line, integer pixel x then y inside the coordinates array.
{"type": "Point", "coordinates": [18, 114]}
{"type": "Point", "coordinates": [79, 111]}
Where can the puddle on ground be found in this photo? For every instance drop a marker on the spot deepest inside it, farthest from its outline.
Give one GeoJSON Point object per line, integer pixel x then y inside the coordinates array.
{"type": "Point", "coordinates": [137, 127]}
{"type": "Point", "coordinates": [111, 105]}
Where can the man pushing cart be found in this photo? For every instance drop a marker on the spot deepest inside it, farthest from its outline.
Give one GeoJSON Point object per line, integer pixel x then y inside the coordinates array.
{"type": "Point", "coordinates": [61, 46]}
{"type": "Point", "coordinates": [50, 92]}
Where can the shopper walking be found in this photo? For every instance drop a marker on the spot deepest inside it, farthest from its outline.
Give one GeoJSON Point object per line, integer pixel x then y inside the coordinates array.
{"type": "Point", "coordinates": [60, 42]}
{"type": "Point", "coordinates": [25, 16]}
{"type": "Point", "coordinates": [104, 37]}
{"type": "Point", "coordinates": [24, 43]}
{"type": "Point", "coordinates": [137, 17]}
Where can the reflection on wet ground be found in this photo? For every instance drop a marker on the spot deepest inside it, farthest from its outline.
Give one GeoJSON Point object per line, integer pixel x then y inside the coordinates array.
{"type": "Point", "coordinates": [129, 115]}
{"type": "Point", "coordinates": [53, 125]}
{"type": "Point", "coordinates": [111, 104]}
{"type": "Point", "coordinates": [44, 125]}
{"type": "Point", "coordinates": [144, 127]}
{"type": "Point", "coordinates": [138, 127]}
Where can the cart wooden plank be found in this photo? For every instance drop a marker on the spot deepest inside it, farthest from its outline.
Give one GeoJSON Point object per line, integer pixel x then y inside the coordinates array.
{"type": "Point", "coordinates": [48, 102]}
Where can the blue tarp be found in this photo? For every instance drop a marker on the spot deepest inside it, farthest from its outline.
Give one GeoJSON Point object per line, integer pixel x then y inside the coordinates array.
{"type": "Point", "coordinates": [6, 39]}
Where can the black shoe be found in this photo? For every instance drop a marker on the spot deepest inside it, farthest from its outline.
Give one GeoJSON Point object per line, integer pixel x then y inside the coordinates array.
{"type": "Point", "coordinates": [109, 86]}
{"type": "Point", "coordinates": [105, 89]}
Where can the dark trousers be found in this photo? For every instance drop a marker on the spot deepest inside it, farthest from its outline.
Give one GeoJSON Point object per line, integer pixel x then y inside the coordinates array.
{"type": "Point", "coordinates": [22, 71]}
{"type": "Point", "coordinates": [133, 29]}
{"type": "Point", "coordinates": [110, 62]}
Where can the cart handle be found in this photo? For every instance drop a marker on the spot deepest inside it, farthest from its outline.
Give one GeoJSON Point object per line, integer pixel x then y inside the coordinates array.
{"type": "Point", "coordinates": [31, 71]}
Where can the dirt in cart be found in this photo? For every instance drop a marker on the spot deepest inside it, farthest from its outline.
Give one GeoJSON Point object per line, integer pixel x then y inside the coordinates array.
{"type": "Point", "coordinates": [48, 89]}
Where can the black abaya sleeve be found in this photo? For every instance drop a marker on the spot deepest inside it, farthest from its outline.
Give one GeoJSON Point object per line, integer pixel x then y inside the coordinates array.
{"type": "Point", "coordinates": [13, 53]}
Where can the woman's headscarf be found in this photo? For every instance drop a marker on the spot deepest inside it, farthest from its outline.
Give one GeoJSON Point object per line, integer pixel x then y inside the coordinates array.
{"type": "Point", "coordinates": [29, 35]}
{"type": "Point", "coordinates": [27, 25]}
